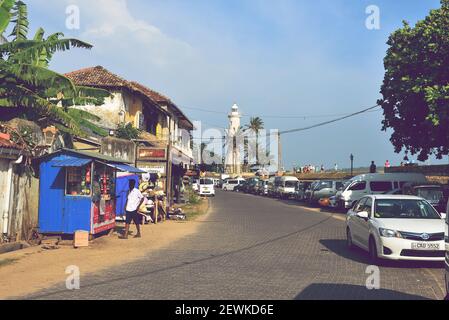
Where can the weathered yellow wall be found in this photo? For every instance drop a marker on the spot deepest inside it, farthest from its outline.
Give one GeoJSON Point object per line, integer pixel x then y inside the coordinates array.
{"type": "Point", "coordinates": [134, 106]}
{"type": "Point", "coordinates": [85, 146]}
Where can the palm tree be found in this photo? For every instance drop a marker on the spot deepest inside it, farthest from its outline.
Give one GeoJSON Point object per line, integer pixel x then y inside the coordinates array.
{"type": "Point", "coordinates": [30, 87]}
{"type": "Point", "coordinates": [256, 124]}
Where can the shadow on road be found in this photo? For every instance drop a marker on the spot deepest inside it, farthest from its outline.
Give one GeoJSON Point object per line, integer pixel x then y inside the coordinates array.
{"type": "Point", "coordinates": [331, 291]}
{"type": "Point", "coordinates": [340, 248]}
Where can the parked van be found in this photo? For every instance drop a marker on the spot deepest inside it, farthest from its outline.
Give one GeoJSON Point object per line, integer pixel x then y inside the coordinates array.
{"type": "Point", "coordinates": [375, 183]}
{"type": "Point", "coordinates": [286, 188]}
{"type": "Point", "coordinates": [206, 187]}
{"type": "Point", "coordinates": [230, 184]}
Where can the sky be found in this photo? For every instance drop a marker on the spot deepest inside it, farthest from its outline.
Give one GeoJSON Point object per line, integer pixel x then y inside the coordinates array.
{"type": "Point", "coordinates": [306, 61]}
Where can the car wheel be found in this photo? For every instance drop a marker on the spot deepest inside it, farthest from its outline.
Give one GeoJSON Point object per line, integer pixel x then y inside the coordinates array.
{"type": "Point", "coordinates": [374, 259]}
{"type": "Point", "coordinates": [349, 242]}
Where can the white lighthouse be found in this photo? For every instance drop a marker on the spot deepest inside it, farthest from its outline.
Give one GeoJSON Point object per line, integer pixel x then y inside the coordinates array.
{"type": "Point", "coordinates": [233, 164]}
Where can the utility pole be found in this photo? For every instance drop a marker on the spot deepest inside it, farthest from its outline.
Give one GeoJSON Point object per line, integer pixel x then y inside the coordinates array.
{"type": "Point", "coordinates": [279, 152]}
{"type": "Point", "coordinates": [352, 163]}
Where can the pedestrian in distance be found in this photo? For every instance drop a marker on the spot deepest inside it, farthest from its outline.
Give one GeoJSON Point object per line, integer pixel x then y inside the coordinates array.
{"type": "Point", "coordinates": [372, 168]}
{"type": "Point", "coordinates": [387, 164]}
{"type": "Point", "coordinates": [133, 202]}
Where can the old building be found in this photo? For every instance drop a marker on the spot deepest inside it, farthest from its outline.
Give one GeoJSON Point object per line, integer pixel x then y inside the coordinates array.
{"type": "Point", "coordinates": [164, 145]}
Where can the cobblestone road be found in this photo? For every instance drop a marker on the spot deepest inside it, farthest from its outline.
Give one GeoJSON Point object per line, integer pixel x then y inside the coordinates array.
{"type": "Point", "coordinates": [251, 247]}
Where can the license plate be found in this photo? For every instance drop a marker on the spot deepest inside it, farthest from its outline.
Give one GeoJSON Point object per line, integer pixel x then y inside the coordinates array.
{"type": "Point", "coordinates": [425, 246]}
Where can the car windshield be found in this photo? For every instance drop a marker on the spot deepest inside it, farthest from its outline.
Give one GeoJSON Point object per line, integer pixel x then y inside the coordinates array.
{"type": "Point", "coordinates": [206, 181]}
{"type": "Point", "coordinates": [290, 184]}
{"type": "Point", "coordinates": [404, 209]}
{"type": "Point", "coordinates": [324, 184]}
{"type": "Point", "coordinates": [431, 194]}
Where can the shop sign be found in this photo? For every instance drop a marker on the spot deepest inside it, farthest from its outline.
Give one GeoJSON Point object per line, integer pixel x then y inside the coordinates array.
{"type": "Point", "coordinates": [145, 153]}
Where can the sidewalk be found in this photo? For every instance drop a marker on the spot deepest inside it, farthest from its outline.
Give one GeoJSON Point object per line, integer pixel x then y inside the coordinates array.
{"type": "Point", "coordinates": [29, 270]}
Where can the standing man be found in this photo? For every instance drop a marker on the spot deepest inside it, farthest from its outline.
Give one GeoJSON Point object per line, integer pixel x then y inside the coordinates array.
{"type": "Point", "coordinates": [372, 168]}
{"type": "Point", "coordinates": [133, 202]}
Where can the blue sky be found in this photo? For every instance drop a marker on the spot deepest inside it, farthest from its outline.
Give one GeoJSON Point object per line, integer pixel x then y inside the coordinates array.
{"type": "Point", "coordinates": [298, 58]}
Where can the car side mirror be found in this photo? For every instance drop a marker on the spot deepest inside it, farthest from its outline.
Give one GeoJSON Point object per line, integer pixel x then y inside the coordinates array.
{"type": "Point", "coordinates": [362, 214]}
{"type": "Point", "coordinates": [443, 215]}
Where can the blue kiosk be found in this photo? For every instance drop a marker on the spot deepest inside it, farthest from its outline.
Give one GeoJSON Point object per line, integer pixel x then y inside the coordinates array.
{"type": "Point", "coordinates": [78, 191]}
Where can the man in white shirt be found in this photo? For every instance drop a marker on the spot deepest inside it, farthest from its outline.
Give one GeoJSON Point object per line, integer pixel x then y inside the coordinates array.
{"type": "Point", "coordinates": [133, 202]}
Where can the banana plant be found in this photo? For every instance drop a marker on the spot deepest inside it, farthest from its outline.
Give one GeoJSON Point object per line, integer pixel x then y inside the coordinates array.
{"type": "Point", "coordinates": [29, 85]}
{"type": "Point", "coordinates": [5, 14]}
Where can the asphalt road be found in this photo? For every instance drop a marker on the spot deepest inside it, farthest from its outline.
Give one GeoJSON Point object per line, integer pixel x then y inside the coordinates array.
{"type": "Point", "coordinates": [251, 247]}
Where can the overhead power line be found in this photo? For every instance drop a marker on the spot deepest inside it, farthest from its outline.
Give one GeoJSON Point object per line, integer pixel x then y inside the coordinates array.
{"type": "Point", "coordinates": [328, 122]}
{"type": "Point", "coordinates": [281, 116]}
{"type": "Point", "coordinates": [370, 109]}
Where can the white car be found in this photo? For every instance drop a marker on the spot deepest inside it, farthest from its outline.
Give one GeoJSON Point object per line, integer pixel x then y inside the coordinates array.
{"type": "Point", "coordinates": [396, 227]}
{"type": "Point", "coordinates": [206, 187]}
{"type": "Point", "coordinates": [230, 184]}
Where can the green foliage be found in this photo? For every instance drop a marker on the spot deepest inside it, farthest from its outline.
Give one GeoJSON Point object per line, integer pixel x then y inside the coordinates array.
{"type": "Point", "coordinates": [24, 135]}
{"type": "Point", "coordinates": [86, 119]}
{"type": "Point", "coordinates": [194, 198]}
{"type": "Point", "coordinates": [20, 18]}
{"type": "Point", "coordinates": [28, 84]}
{"type": "Point", "coordinates": [416, 86]}
{"type": "Point", "coordinates": [255, 124]}
{"type": "Point", "coordinates": [5, 13]}
{"type": "Point", "coordinates": [127, 131]}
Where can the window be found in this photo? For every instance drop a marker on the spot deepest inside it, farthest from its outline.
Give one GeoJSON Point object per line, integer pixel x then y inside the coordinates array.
{"type": "Point", "coordinates": [206, 181]}
{"type": "Point", "coordinates": [232, 182]}
{"type": "Point", "coordinates": [380, 186]}
{"type": "Point", "coordinates": [358, 207]}
{"type": "Point", "coordinates": [78, 181]}
{"type": "Point", "coordinates": [358, 186]}
{"type": "Point", "coordinates": [431, 194]}
{"type": "Point", "coordinates": [368, 205]}
{"type": "Point", "coordinates": [140, 122]}
{"type": "Point", "coordinates": [290, 184]}
{"type": "Point", "coordinates": [404, 209]}
{"type": "Point", "coordinates": [339, 185]}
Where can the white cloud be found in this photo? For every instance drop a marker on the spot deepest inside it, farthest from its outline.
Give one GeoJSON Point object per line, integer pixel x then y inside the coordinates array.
{"type": "Point", "coordinates": [111, 26]}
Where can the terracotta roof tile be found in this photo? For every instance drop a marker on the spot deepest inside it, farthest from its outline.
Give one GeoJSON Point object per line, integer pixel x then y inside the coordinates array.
{"type": "Point", "coordinates": [96, 77]}
{"type": "Point", "coordinates": [156, 96]}
{"type": "Point", "coordinates": [4, 143]}
{"type": "Point", "coordinates": [101, 77]}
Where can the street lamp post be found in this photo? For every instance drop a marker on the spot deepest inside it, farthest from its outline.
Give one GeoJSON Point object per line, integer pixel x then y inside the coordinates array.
{"type": "Point", "coordinates": [352, 163]}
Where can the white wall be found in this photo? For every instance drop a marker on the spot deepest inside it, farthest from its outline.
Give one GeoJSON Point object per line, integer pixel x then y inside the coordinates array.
{"type": "Point", "coordinates": [109, 112]}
